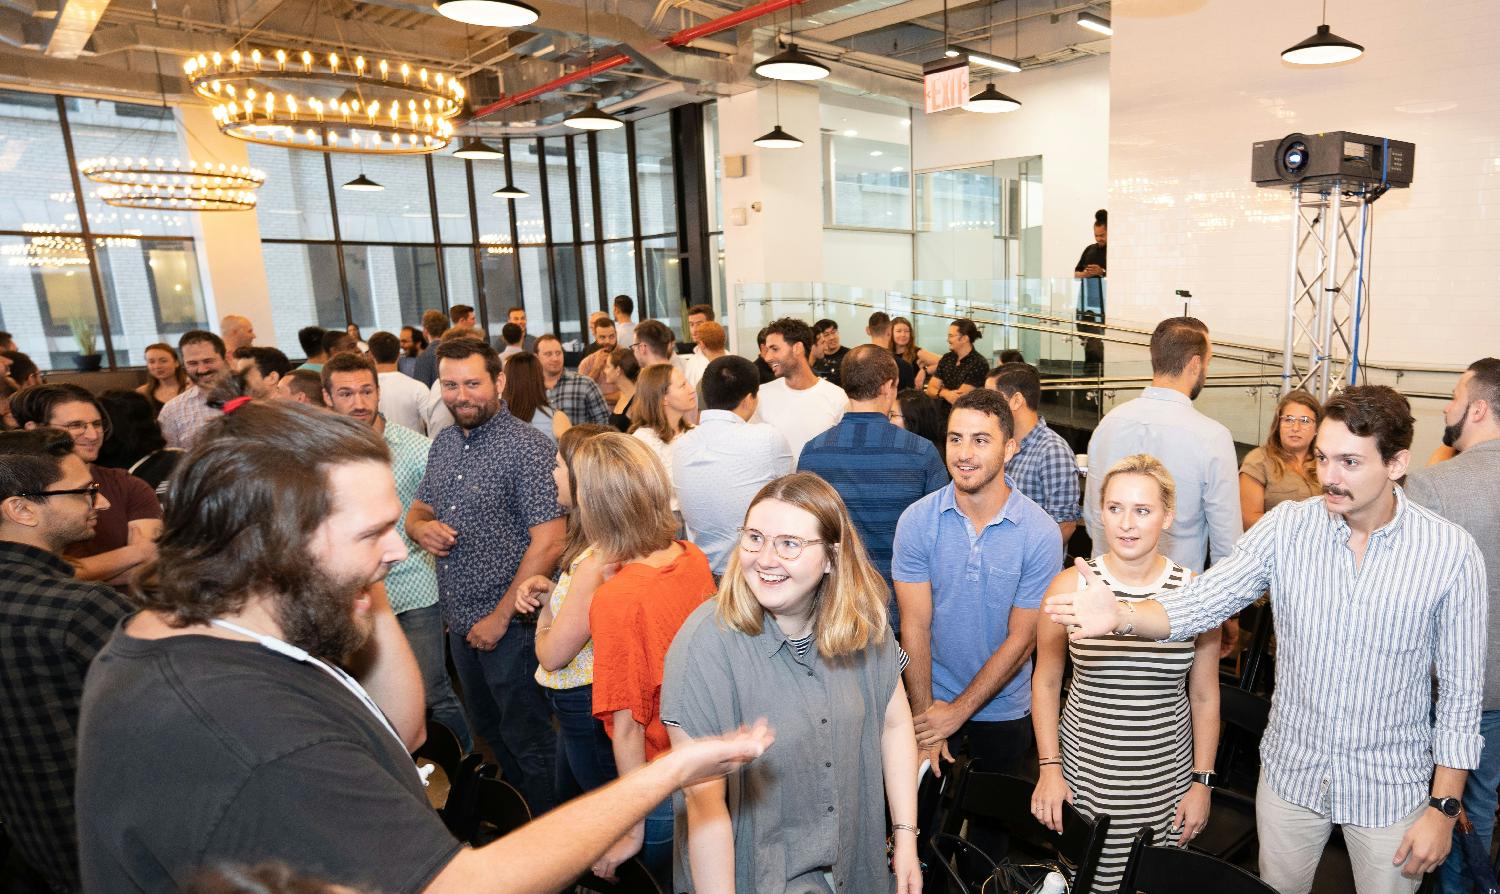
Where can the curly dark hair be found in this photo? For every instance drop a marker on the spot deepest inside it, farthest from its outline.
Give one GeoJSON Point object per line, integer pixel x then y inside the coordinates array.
{"type": "Point", "coordinates": [1375, 411]}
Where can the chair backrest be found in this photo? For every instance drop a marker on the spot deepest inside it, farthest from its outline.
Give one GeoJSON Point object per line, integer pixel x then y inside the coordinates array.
{"type": "Point", "coordinates": [461, 811]}
{"type": "Point", "coordinates": [499, 808]}
{"type": "Point", "coordinates": [632, 878]}
{"type": "Point", "coordinates": [1245, 716]}
{"type": "Point", "coordinates": [441, 748]}
{"type": "Point", "coordinates": [950, 853]}
{"type": "Point", "coordinates": [1175, 870]}
{"type": "Point", "coordinates": [1006, 800]}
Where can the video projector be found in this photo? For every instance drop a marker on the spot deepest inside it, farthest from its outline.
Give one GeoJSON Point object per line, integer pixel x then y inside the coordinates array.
{"type": "Point", "coordinates": [1354, 159]}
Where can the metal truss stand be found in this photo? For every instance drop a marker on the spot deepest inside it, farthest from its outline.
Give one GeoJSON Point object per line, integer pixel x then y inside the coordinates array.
{"type": "Point", "coordinates": [1326, 285]}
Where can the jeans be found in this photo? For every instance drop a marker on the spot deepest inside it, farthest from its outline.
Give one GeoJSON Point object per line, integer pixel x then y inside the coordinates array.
{"type": "Point", "coordinates": [1479, 803]}
{"type": "Point", "coordinates": [424, 631]}
{"type": "Point", "coordinates": [509, 710]}
{"type": "Point", "coordinates": [656, 849]}
{"type": "Point", "coordinates": [585, 760]}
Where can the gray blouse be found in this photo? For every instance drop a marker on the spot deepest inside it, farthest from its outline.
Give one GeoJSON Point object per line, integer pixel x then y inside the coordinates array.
{"type": "Point", "coordinates": [815, 801]}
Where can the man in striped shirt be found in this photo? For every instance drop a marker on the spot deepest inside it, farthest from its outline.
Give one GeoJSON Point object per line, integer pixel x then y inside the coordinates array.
{"type": "Point", "coordinates": [1372, 594]}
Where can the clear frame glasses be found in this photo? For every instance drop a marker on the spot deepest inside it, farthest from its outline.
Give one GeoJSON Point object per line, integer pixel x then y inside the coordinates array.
{"type": "Point", "coordinates": [1297, 420]}
{"type": "Point", "coordinates": [786, 546]}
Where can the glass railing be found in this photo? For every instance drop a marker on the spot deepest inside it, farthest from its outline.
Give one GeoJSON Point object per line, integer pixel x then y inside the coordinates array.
{"type": "Point", "coordinates": [1087, 367]}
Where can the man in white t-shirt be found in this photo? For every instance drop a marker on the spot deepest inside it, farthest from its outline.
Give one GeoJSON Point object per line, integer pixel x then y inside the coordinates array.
{"type": "Point", "coordinates": [403, 400]}
{"type": "Point", "coordinates": [797, 403]}
{"type": "Point", "coordinates": [624, 329]}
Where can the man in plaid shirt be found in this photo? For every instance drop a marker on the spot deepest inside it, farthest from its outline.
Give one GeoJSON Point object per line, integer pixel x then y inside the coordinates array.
{"type": "Point", "coordinates": [1044, 467]}
{"type": "Point", "coordinates": [51, 625]}
{"type": "Point", "coordinates": [577, 396]}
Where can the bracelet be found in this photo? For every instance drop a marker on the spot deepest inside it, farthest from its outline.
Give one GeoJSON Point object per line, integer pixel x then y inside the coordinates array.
{"type": "Point", "coordinates": [912, 829]}
{"type": "Point", "coordinates": [1050, 762]}
{"type": "Point", "coordinates": [1130, 623]}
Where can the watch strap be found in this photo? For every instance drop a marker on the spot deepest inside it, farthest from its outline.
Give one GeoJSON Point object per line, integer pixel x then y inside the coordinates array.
{"type": "Point", "coordinates": [1209, 779]}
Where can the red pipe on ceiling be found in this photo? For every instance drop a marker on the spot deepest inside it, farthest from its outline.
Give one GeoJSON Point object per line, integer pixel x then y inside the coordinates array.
{"type": "Point", "coordinates": [679, 39]}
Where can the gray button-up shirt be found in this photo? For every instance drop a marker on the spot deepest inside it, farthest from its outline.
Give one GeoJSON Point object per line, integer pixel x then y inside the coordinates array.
{"type": "Point", "coordinates": [1353, 733]}
{"type": "Point", "coordinates": [815, 801]}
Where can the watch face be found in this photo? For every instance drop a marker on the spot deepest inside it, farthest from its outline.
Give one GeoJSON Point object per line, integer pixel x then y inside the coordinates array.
{"type": "Point", "coordinates": [1449, 806]}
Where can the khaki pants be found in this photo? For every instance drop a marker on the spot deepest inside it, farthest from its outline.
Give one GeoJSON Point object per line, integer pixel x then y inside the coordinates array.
{"type": "Point", "coordinates": [1292, 840]}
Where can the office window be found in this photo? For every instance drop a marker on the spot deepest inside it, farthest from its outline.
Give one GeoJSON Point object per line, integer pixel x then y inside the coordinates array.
{"type": "Point", "coordinates": [166, 270]}
{"type": "Point", "coordinates": [38, 194]}
{"type": "Point", "coordinates": [303, 279]}
{"type": "Point", "coordinates": [294, 202]}
{"type": "Point", "coordinates": [559, 193]}
{"type": "Point", "coordinates": [866, 163]}
{"type": "Point", "coordinates": [614, 183]}
{"type": "Point", "coordinates": [653, 168]}
{"type": "Point", "coordinates": [452, 182]}
{"type": "Point", "coordinates": [401, 212]}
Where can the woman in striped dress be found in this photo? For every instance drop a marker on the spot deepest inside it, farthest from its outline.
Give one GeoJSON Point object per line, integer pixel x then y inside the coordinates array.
{"type": "Point", "coordinates": [1142, 718]}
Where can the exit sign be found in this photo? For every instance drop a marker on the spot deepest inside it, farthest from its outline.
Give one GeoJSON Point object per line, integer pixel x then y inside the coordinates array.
{"type": "Point", "coordinates": [945, 87]}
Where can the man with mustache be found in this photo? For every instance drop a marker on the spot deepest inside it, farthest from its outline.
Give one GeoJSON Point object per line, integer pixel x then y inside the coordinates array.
{"type": "Point", "coordinates": [487, 510]}
{"type": "Point", "coordinates": [185, 415]}
{"type": "Point", "coordinates": [51, 626]}
{"type": "Point", "coordinates": [1197, 450]}
{"type": "Point", "coordinates": [262, 704]}
{"type": "Point", "coordinates": [1466, 491]}
{"type": "Point", "coordinates": [1374, 596]}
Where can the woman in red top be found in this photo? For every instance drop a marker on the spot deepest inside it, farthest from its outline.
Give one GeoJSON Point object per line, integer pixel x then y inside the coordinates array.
{"type": "Point", "coordinates": [624, 505]}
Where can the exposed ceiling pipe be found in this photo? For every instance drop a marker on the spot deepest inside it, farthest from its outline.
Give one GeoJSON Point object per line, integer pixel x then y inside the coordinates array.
{"type": "Point", "coordinates": [680, 39]}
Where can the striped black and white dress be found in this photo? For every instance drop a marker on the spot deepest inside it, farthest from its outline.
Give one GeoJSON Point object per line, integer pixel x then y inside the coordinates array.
{"type": "Point", "coordinates": [1127, 735]}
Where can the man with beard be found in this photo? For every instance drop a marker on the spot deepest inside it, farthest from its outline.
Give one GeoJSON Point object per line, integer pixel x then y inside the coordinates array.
{"type": "Point", "coordinates": [577, 396]}
{"type": "Point", "coordinates": [186, 414]}
{"type": "Point", "coordinates": [487, 510]}
{"type": "Point", "coordinates": [352, 388]}
{"type": "Point", "coordinates": [219, 725]}
{"type": "Point", "coordinates": [971, 562]}
{"type": "Point", "coordinates": [51, 626]}
{"type": "Point", "coordinates": [264, 368]}
{"type": "Point", "coordinates": [1198, 451]}
{"type": "Point", "coordinates": [1466, 491]}
{"type": "Point", "coordinates": [130, 517]}
{"type": "Point", "coordinates": [1376, 598]}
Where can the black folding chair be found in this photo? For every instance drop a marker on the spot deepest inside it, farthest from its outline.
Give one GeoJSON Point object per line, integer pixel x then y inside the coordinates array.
{"type": "Point", "coordinates": [633, 878]}
{"type": "Point", "coordinates": [442, 749]}
{"type": "Point", "coordinates": [1173, 870]}
{"type": "Point", "coordinates": [961, 862]}
{"type": "Point", "coordinates": [498, 808]}
{"type": "Point", "coordinates": [1230, 833]}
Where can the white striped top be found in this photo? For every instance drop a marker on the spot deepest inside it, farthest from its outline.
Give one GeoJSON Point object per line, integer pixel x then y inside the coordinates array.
{"type": "Point", "coordinates": [1352, 733]}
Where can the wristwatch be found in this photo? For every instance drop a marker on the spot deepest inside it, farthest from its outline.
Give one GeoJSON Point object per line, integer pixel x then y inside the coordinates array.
{"type": "Point", "coordinates": [1209, 779]}
{"type": "Point", "coordinates": [1448, 806]}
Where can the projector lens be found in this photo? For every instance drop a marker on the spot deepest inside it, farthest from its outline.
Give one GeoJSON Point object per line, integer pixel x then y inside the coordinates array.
{"type": "Point", "coordinates": [1295, 157]}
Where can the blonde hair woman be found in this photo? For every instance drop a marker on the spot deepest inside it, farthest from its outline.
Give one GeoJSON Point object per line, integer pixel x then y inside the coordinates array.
{"type": "Point", "coordinates": [663, 398]}
{"type": "Point", "coordinates": [797, 634]}
{"type": "Point", "coordinates": [1163, 698]}
{"type": "Point", "coordinates": [623, 498]}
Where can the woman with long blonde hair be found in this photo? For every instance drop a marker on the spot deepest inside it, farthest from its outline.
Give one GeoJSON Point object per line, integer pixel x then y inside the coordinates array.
{"type": "Point", "coordinates": [797, 634]}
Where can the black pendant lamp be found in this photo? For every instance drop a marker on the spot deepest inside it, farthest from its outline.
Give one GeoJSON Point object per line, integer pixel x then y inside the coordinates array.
{"type": "Point", "coordinates": [1323, 48]}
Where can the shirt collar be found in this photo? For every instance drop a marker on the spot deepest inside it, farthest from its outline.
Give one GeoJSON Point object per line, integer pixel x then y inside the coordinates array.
{"type": "Point", "coordinates": [25, 553]}
{"type": "Point", "coordinates": [948, 500]}
{"type": "Point", "coordinates": [772, 639]}
{"type": "Point", "coordinates": [491, 425]}
{"type": "Point", "coordinates": [720, 415]}
{"type": "Point", "coordinates": [1171, 395]}
{"type": "Point", "coordinates": [1389, 529]}
{"type": "Point", "coordinates": [1491, 444]}
{"type": "Point", "coordinates": [1034, 434]}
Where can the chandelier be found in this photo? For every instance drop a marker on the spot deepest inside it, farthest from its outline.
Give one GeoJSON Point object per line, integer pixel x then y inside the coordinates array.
{"type": "Point", "coordinates": [154, 183]}
{"type": "Point", "coordinates": [327, 103]}
{"type": "Point", "coordinates": [48, 247]}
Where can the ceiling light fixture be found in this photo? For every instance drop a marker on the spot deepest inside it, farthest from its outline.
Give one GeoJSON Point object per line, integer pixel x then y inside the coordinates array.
{"type": "Point", "coordinates": [777, 139]}
{"type": "Point", "coordinates": [990, 101]}
{"type": "Point", "coordinates": [510, 191]}
{"type": "Point", "coordinates": [999, 63]}
{"type": "Point", "coordinates": [593, 118]}
{"type": "Point", "coordinates": [1095, 23]}
{"type": "Point", "coordinates": [792, 64]}
{"type": "Point", "coordinates": [363, 184]}
{"type": "Point", "coordinates": [1323, 48]}
{"type": "Point", "coordinates": [489, 13]}
{"type": "Point", "coordinates": [477, 150]}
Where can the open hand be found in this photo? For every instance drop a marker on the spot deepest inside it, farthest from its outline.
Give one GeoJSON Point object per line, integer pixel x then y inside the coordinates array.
{"type": "Point", "coordinates": [1192, 813]}
{"type": "Point", "coordinates": [1087, 613]}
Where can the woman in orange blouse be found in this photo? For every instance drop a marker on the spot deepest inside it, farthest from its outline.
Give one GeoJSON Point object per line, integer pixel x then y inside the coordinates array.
{"type": "Point", "coordinates": [624, 505]}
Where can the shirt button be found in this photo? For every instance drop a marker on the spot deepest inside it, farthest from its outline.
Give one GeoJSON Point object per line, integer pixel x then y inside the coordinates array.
{"type": "Point", "coordinates": [460, 478]}
{"type": "Point", "coordinates": [828, 763]}
{"type": "Point", "coordinates": [809, 673]}
{"type": "Point", "coordinates": [825, 719]}
{"type": "Point", "coordinates": [830, 808]}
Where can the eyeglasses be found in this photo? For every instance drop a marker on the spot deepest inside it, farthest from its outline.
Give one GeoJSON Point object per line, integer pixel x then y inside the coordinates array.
{"type": "Point", "coordinates": [78, 428]}
{"type": "Point", "coordinates": [785, 545]}
{"type": "Point", "coordinates": [1298, 420]}
{"type": "Point", "coordinates": [92, 490]}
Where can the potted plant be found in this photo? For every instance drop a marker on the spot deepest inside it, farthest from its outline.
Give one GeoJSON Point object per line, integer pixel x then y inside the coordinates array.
{"type": "Point", "coordinates": [88, 355]}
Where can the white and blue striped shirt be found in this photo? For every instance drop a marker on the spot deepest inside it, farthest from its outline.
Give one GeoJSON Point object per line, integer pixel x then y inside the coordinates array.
{"type": "Point", "coordinates": [1353, 734]}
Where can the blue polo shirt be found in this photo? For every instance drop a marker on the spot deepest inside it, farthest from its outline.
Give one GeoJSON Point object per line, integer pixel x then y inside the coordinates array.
{"type": "Point", "coordinates": [977, 578]}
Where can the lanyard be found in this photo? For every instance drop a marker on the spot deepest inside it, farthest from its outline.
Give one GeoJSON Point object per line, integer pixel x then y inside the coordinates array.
{"type": "Point", "coordinates": [348, 682]}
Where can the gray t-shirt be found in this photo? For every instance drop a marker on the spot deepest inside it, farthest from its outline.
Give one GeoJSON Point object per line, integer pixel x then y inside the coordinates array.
{"type": "Point", "coordinates": [815, 801]}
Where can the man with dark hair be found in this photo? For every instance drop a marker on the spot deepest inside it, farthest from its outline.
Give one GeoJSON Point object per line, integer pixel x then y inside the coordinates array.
{"type": "Point", "coordinates": [798, 403]}
{"type": "Point", "coordinates": [1198, 451]}
{"type": "Point", "coordinates": [124, 538]}
{"type": "Point", "coordinates": [517, 315]}
{"type": "Point", "coordinates": [962, 369]}
{"type": "Point", "coordinates": [336, 342]}
{"type": "Point", "coordinates": [511, 336]}
{"type": "Point", "coordinates": [263, 369]}
{"type": "Point", "coordinates": [403, 400]}
{"type": "Point", "coordinates": [1466, 491]}
{"type": "Point", "coordinates": [877, 467]}
{"type": "Point", "coordinates": [761, 366]}
{"type": "Point", "coordinates": [624, 329]}
{"type": "Point", "coordinates": [697, 315]}
{"type": "Point", "coordinates": [7, 341]}
{"type": "Point", "coordinates": [1375, 597]}
{"type": "Point", "coordinates": [218, 726]}
{"type": "Point", "coordinates": [831, 354]}
{"type": "Point", "coordinates": [971, 564]}
{"type": "Point", "coordinates": [722, 463]}
{"type": "Point", "coordinates": [576, 396]}
{"type": "Point", "coordinates": [712, 344]}
{"type": "Point", "coordinates": [352, 387]}
{"type": "Point", "coordinates": [302, 386]}
{"type": "Point", "coordinates": [51, 626]}
{"type": "Point", "coordinates": [185, 415]}
{"type": "Point", "coordinates": [488, 510]}
{"type": "Point", "coordinates": [413, 340]}
{"type": "Point", "coordinates": [311, 340]}
{"type": "Point", "coordinates": [654, 343]}
{"type": "Point", "coordinates": [434, 323]}
{"type": "Point", "coordinates": [879, 333]}
{"type": "Point", "coordinates": [462, 315]}
{"type": "Point", "coordinates": [23, 370]}
{"type": "Point", "coordinates": [597, 352]}
{"type": "Point", "coordinates": [1044, 467]}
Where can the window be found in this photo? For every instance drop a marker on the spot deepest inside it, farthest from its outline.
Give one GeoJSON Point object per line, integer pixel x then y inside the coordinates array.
{"type": "Point", "coordinates": [867, 164]}
{"type": "Point", "coordinates": [559, 193]}
{"type": "Point", "coordinates": [663, 281]}
{"type": "Point", "coordinates": [401, 212]}
{"type": "Point", "coordinates": [165, 269]}
{"type": "Point", "coordinates": [303, 279]}
{"type": "Point", "coordinates": [294, 202]}
{"type": "Point", "coordinates": [653, 170]}
{"type": "Point", "coordinates": [614, 184]}
{"type": "Point", "coordinates": [390, 285]}
{"type": "Point", "coordinates": [38, 194]}
{"type": "Point", "coordinates": [451, 177]}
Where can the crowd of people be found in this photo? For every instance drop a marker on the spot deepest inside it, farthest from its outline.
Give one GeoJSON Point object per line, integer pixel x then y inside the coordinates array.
{"type": "Point", "coordinates": [231, 596]}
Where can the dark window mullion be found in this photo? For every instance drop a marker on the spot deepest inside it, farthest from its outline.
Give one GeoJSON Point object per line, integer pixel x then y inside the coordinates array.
{"type": "Point", "coordinates": [579, 304]}
{"type": "Point", "coordinates": [635, 224]}
{"type": "Point", "coordinates": [541, 166]}
{"type": "Point", "coordinates": [598, 211]}
{"type": "Point", "coordinates": [88, 239]}
{"type": "Point", "coordinates": [515, 235]}
{"type": "Point", "coordinates": [437, 233]}
{"type": "Point", "coordinates": [338, 238]}
{"type": "Point", "coordinates": [476, 254]}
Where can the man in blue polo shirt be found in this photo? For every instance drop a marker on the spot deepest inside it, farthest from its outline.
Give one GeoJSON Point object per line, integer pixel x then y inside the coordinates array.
{"type": "Point", "coordinates": [879, 468]}
{"type": "Point", "coordinates": [971, 564]}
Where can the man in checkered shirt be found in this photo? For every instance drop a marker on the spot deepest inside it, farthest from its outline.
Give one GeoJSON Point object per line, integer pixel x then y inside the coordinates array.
{"type": "Point", "coordinates": [1044, 467]}
{"type": "Point", "coordinates": [51, 625]}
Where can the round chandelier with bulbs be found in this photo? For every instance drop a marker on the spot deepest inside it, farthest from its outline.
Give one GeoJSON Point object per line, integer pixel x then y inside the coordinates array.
{"type": "Point", "coordinates": [299, 100]}
{"type": "Point", "coordinates": [175, 186]}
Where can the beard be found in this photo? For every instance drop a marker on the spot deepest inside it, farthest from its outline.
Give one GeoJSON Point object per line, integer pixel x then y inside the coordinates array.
{"type": "Point", "coordinates": [1198, 388]}
{"type": "Point", "coordinates": [317, 614]}
{"type": "Point", "coordinates": [1451, 433]}
{"type": "Point", "coordinates": [482, 413]}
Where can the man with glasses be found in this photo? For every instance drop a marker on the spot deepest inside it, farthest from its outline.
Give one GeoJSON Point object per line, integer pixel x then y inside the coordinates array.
{"type": "Point", "coordinates": [51, 626]}
{"type": "Point", "coordinates": [130, 515]}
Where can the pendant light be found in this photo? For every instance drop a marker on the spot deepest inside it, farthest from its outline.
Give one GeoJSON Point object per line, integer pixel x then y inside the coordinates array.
{"type": "Point", "coordinates": [990, 101]}
{"type": "Point", "coordinates": [1323, 48]}
{"type": "Point", "coordinates": [490, 13]}
{"type": "Point", "coordinates": [476, 149]}
{"type": "Point", "coordinates": [592, 117]}
{"type": "Point", "coordinates": [792, 64]}
{"type": "Point", "coordinates": [363, 184]}
{"type": "Point", "coordinates": [777, 138]}
{"type": "Point", "coordinates": [510, 190]}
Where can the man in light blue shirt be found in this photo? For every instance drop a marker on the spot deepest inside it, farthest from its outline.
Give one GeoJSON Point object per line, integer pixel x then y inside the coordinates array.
{"type": "Point", "coordinates": [1198, 451]}
{"type": "Point", "coordinates": [971, 563]}
{"type": "Point", "coordinates": [718, 467]}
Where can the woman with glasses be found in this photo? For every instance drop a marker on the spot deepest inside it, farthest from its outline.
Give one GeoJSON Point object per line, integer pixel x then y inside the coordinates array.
{"type": "Point", "coordinates": [653, 582]}
{"type": "Point", "coordinates": [797, 635]}
{"type": "Point", "coordinates": [1282, 468]}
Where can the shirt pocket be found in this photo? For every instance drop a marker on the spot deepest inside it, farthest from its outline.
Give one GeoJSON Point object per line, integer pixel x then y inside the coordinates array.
{"type": "Point", "coordinates": [1000, 588]}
